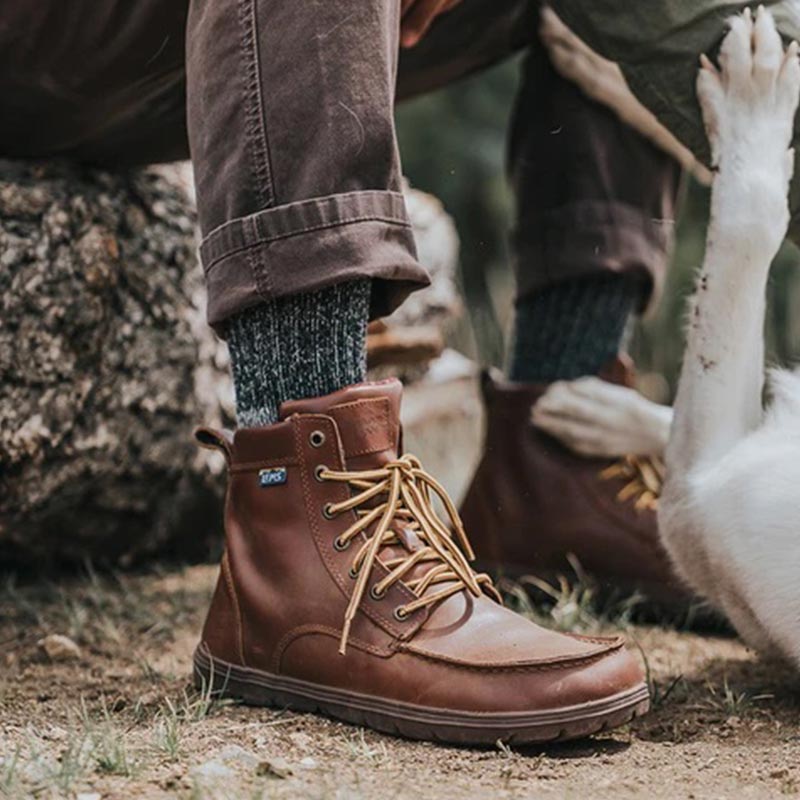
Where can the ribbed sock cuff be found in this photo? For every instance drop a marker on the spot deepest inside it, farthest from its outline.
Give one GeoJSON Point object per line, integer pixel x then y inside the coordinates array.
{"type": "Point", "coordinates": [300, 346]}
{"type": "Point", "coordinates": [571, 329]}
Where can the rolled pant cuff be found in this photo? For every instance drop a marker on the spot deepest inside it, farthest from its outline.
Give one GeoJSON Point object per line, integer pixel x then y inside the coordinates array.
{"type": "Point", "coordinates": [592, 237]}
{"type": "Point", "coordinates": [308, 245]}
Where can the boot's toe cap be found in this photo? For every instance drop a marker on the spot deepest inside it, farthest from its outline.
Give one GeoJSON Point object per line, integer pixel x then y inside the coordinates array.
{"type": "Point", "coordinates": [615, 672]}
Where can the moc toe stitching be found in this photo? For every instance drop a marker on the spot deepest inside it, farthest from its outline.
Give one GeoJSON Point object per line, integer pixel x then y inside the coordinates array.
{"type": "Point", "coordinates": [553, 663]}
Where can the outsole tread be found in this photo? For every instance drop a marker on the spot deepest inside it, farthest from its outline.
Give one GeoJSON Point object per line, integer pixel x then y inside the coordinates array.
{"type": "Point", "coordinates": [224, 682]}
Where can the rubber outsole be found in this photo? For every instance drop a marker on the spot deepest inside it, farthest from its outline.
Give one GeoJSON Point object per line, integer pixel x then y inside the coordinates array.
{"type": "Point", "coordinates": [255, 687]}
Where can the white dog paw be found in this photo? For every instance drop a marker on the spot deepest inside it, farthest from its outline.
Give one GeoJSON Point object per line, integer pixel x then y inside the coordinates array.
{"type": "Point", "coordinates": [756, 87]}
{"type": "Point", "coordinates": [748, 107]}
{"type": "Point", "coordinates": [596, 418]}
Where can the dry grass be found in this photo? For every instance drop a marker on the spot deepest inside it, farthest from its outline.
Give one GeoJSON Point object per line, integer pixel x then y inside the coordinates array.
{"type": "Point", "coordinates": [122, 721]}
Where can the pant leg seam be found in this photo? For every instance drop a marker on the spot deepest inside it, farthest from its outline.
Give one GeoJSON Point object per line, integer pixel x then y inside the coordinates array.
{"type": "Point", "coordinates": [260, 276]}
{"type": "Point", "coordinates": [254, 107]}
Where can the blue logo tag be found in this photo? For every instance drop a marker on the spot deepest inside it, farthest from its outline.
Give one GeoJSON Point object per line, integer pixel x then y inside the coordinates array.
{"type": "Point", "coordinates": [272, 477]}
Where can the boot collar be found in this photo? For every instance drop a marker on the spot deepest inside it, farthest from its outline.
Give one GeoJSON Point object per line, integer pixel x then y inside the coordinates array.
{"type": "Point", "coordinates": [496, 388]}
{"type": "Point", "coordinates": [367, 417]}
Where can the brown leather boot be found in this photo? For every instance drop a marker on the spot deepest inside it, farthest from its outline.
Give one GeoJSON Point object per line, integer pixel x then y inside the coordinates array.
{"type": "Point", "coordinates": [342, 591]}
{"type": "Point", "coordinates": [533, 503]}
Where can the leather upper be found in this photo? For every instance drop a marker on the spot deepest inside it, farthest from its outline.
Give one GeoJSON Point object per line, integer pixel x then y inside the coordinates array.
{"type": "Point", "coordinates": [533, 502]}
{"type": "Point", "coordinates": [284, 585]}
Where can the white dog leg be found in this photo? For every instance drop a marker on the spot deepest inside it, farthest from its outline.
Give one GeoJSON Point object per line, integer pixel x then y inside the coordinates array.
{"type": "Point", "coordinates": [748, 109]}
{"type": "Point", "coordinates": [705, 514]}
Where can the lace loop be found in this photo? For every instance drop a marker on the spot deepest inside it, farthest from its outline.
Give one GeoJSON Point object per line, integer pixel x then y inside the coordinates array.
{"type": "Point", "coordinates": [409, 494]}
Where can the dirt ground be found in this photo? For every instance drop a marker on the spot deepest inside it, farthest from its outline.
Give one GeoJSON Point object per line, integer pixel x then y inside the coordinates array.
{"type": "Point", "coordinates": [116, 718]}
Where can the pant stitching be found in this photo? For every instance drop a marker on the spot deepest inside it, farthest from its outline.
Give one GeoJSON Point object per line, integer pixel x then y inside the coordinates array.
{"type": "Point", "coordinates": [323, 78]}
{"type": "Point", "coordinates": [256, 261]}
{"type": "Point", "coordinates": [253, 106]}
{"type": "Point", "coordinates": [341, 202]}
{"type": "Point", "coordinates": [254, 244]}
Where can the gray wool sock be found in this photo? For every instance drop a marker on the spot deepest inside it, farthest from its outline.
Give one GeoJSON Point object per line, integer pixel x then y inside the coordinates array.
{"type": "Point", "coordinates": [300, 346]}
{"type": "Point", "coordinates": [572, 328]}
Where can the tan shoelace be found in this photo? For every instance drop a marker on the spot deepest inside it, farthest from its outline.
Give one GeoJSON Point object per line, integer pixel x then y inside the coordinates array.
{"type": "Point", "coordinates": [408, 490]}
{"type": "Point", "coordinates": [644, 478]}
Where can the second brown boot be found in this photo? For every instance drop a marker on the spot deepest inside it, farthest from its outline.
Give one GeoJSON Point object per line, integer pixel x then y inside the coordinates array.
{"type": "Point", "coordinates": [534, 506]}
{"type": "Point", "coordinates": [342, 591]}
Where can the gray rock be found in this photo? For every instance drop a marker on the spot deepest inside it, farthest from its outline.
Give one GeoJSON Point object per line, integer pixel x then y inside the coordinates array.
{"type": "Point", "coordinates": [105, 366]}
{"type": "Point", "coordinates": [211, 772]}
{"type": "Point", "coordinates": [234, 755]}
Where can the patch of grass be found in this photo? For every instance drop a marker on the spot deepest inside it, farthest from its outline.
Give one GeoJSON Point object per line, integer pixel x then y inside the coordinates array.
{"type": "Point", "coordinates": [572, 604]}
{"type": "Point", "coordinates": [191, 706]}
{"type": "Point", "coordinates": [167, 735]}
{"type": "Point", "coordinates": [195, 705]}
{"type": "Point", "coordinates": [504, 748]}
{"type": "Point", "coordinates": [101, 611]}
{"type": "Point", "coordinates": [360, 748]}
{"type": "Point", "coordinates": [659, 693]}
{"type": "Point", "coordinates": [62, 774]}
{"type": "Point", "coordinates": [730, 701]}
{"type": "Point", "coordinates": [9, 775]}
{"type": "Point", "coordinates": [109, 747]}
{"type": "Point", "coordinates": [111, 755]}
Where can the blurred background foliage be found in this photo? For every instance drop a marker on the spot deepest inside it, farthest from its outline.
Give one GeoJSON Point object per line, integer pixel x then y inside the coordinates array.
{"type": "Point", "coordinates": [453, 145]}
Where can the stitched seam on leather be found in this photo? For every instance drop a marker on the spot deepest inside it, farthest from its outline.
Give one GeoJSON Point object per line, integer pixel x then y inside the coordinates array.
{"type": "Point", "coordinates": [253, 466]}
{"type": "Point", "coordinates": [226, 571]}
{"type": "Point", "coordinates": [612, 641]}
{"type": "Point", "coordinates": [324, 630]}
{"type": "Point", "coordinates": [383, 401]}
{"type": "Point", "coordinates": [523, 666]}
{"type": "Point", "coordinates": [384, 406]}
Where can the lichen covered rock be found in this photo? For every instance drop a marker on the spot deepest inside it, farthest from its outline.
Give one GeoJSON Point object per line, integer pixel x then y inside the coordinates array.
{"type": "Point", "coordinates": [105, 365]}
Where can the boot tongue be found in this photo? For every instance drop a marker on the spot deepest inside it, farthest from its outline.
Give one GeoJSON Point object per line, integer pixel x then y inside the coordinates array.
{"type": "Point", "coordinates": [367, 416]}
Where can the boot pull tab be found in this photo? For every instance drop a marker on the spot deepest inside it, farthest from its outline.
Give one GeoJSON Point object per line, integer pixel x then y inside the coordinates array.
{"type": "Point", "coordinates": [213, 439]}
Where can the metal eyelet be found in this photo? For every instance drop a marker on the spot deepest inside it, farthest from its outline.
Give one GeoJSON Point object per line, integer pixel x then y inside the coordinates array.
{"type": "Point", "coordinates": [318, 470]}
{"type": "Point", "coordinates": [339, 545]}
{"type": "Point", "coordinates": [316, 438]}
{"type": "Point", "coordinates": [353, 573]}
{"type": "Point", "coordinates": [400, 614]}
{"type": "Point", "coordinates": [375, 594]}
{"type": "Point", "coordinates": [327, 512]}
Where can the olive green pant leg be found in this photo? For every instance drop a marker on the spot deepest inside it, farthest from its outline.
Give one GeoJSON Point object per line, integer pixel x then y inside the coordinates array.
{"type": "Point", "coordinates": [658, 46]}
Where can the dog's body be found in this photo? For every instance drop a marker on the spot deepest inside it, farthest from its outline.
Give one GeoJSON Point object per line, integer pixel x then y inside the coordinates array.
{"type": "Point", "coordinates": [729, 514]}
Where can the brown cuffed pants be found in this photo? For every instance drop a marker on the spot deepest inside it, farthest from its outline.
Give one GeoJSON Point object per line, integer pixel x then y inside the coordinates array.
{"type": "Point", "coordinates": [287, 111]}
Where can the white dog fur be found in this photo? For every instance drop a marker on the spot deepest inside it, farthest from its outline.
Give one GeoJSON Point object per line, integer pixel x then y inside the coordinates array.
{"type": "Point", "coordinates": [596, 418]}
{"type": "Point", "coordinates": [729, 514]}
